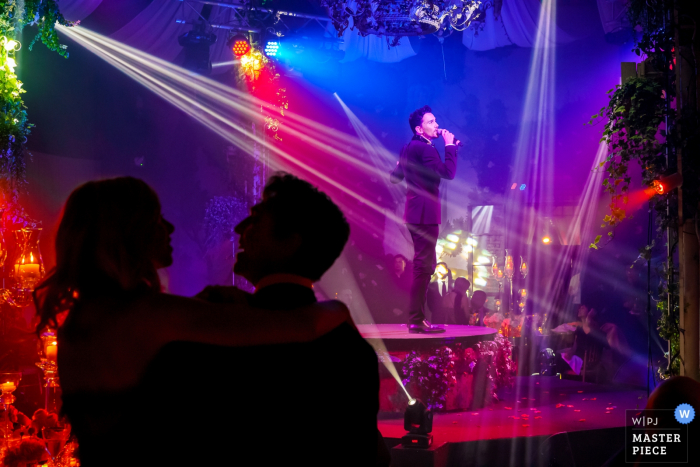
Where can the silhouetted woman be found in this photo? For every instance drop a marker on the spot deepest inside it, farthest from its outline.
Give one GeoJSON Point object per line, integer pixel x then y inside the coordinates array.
{"type": "Point", "coordinates": [110, 242]}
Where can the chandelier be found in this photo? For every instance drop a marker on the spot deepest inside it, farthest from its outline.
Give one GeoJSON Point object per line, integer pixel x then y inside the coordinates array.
{"type": "Point", "coordinates": [407, 17]}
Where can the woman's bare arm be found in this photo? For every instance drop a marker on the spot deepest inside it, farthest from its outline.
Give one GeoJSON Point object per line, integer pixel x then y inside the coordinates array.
{"type": "Point", "coordinates": [177, 318]}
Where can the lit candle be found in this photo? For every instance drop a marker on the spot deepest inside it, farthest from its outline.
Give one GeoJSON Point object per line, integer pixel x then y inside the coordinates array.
{"type": "Point", "coordinates": [7, 387]}
{"type": "Point", "coordinates": [51, 352]}
{"type": "Point", "coordinates": [30, 271]}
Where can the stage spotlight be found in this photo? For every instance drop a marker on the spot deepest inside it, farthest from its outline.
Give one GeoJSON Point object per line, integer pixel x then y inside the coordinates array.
{"type": "Point", "coordinates": [547, 362]}
{"type": "Point", "coordinates": [271, 48]}
{"type": "Point", "coordinates": [418, 421]}
{"type": "Point", "coordinates": [668, 184]}
{"type": "Point", "coordinates": [546, 240]}
{"type": "Point", "coordinates": [196, 44]}
{"type": "Point", "coordinates": [239, 45]}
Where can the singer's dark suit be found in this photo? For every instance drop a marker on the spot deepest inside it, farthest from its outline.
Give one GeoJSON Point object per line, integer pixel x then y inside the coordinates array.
{"type": "Point", "coordinates": [421, 166]}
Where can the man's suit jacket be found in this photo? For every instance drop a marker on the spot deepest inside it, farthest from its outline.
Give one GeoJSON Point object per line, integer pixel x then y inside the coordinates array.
{"type": "Point", "coordinates": [311, 404]}
{"type": "Point", "coordinates": [421, 166]}
{"type": "Point", "coordinates": [438, 303]}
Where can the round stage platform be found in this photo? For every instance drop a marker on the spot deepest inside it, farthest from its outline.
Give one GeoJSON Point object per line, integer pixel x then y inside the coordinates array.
{"type": "Point", "coordinates": [397, 338]}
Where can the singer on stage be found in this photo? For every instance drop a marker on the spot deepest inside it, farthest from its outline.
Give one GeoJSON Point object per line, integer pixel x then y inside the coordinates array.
{"type": "Point", "coordinates": [421, 166]}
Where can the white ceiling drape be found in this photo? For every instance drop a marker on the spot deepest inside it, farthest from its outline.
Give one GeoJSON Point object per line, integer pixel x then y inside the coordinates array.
{"type": "Point", "coordinates": [516, 25]}
{"type": "Point", "coordinates": [155, 30]}
{"type": "Point", "coordinates": [77, 10]}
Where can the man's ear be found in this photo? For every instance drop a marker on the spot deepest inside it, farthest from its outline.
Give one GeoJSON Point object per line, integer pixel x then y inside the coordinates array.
{"type": "Point", "coordinates": [419, 130]}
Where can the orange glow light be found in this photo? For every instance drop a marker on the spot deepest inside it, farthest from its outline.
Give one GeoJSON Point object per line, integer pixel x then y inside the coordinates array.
{"type": "Point", "coordinates": [240, 48]}
{"type": "Point", "coordinates": [659, 187]}
{"type": "Point", "coordinates": [546, 240]}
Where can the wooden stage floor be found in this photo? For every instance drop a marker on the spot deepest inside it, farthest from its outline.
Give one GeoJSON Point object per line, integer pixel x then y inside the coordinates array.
{"type": "Point", "coordinates": [396, 337]}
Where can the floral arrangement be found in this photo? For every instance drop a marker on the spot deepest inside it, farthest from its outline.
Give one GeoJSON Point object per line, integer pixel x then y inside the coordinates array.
{"type": "Point", "coordinates": [502, 368]}
{"type": "Point", "coordinates": [429, 376]}
{"type": "Point", "coordinates": [30, 451]}
{"type": "Point", "coordinates": [494, 321]}
{"type": "Point", "coordinates": [26, 445]}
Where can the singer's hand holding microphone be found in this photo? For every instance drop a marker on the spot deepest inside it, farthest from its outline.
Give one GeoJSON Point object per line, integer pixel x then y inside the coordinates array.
{"type": "Point", "coordinates": [449, 137]}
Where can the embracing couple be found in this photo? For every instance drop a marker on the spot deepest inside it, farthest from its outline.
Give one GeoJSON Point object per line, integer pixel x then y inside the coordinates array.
{"type": "Point", "coordinates": [148, 378]}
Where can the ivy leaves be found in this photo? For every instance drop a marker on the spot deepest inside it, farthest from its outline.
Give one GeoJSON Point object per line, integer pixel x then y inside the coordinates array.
{"type": "Point", "coordinates": [14, 125]}
{"type": "Point", "coordinates": [634, 114]}
{"type": "Point", "coordinates": [45, 14]}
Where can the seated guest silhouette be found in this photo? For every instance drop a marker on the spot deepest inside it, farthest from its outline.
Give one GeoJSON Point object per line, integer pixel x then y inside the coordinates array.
{"type": "Point", "coordinates": [479, 299]}
{"type": "Point", "coordinates": [458, 309]}
{"type": "Point", "coordinates": [111, 240]}
{"type": "Point", "coordinates": [438, 297]}
{"type": "Point", "coordinates": [311, 404]}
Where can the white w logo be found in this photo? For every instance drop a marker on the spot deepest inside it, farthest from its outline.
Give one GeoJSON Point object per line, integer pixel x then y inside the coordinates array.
{"type": "Point", "coordinates": [684, 413]}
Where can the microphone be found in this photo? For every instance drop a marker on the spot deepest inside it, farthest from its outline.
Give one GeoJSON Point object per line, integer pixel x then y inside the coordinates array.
{"type": "Point", "coordinates": [457, 142]}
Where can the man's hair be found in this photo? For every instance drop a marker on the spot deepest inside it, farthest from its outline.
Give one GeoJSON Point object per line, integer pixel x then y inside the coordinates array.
{"type": "Point", "coordinates": [297, 207]}
{"type": "Point", "coordinates": [479, 297]}
{"type": "Point", "coordinates": [463, 280]}
{"type": "Point", "coordinates": [102, 245]}
{"type": "Point", "coordinates": [416, 118]}
{"type": "Point", "coordinates": [405, 260]}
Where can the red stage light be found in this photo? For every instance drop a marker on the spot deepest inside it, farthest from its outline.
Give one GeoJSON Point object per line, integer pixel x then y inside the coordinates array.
{"type": "Point", "coordinates": [659, 187]}
{"type": "Point", "coordinates": [240, 48]}
{"type": "Point", "coordinates": [240, 45]}
{"type": "Point", "coordinates": [667, 184]}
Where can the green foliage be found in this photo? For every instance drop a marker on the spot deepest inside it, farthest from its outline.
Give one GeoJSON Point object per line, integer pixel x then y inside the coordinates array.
{"type": "Point", "coordinates": [643, 127]}
{"type": "Point", "coordinates": [14, 125]}
{"type": "Point", "coordinates": [45, 14]}
{"type": "Point", "coordinates": [636, 110]}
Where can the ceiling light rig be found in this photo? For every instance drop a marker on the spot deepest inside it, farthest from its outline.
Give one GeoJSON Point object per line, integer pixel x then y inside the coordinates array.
{"type": "Point", "coordinates": [400, 18]}
{"type": "Point", "coordinates": [240, 45]}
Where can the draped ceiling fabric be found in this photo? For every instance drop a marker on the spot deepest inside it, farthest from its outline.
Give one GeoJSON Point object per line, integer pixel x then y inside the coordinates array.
{"type": "Point", "coordinates": [373, 48]}
{"type": "Point", "coordinates": [516, 25]}
{"type": "Point", "coordinates": [155, 30]}
{"type": "Point", "coordinates": [77, 10]}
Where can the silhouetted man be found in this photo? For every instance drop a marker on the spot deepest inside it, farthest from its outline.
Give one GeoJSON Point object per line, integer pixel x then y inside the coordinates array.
{"type": "Point", "coordinates": [421, 166]}
{"type": "Point", "coordinates": [311, 404]}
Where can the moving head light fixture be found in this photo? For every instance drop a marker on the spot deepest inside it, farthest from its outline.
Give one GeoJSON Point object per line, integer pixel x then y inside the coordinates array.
{"type": "Point", "coordinates": [668, 183]}
{"type": "Point", "coordinates": [418, 421]}
{"type": "Point", "coordinates": [197, 43]}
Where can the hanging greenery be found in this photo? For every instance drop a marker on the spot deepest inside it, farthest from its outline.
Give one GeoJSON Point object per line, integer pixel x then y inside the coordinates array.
{"type": "Point", "coordinates": [644, 127]}
{"type": "Point", "coordinates": [14, 126]}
